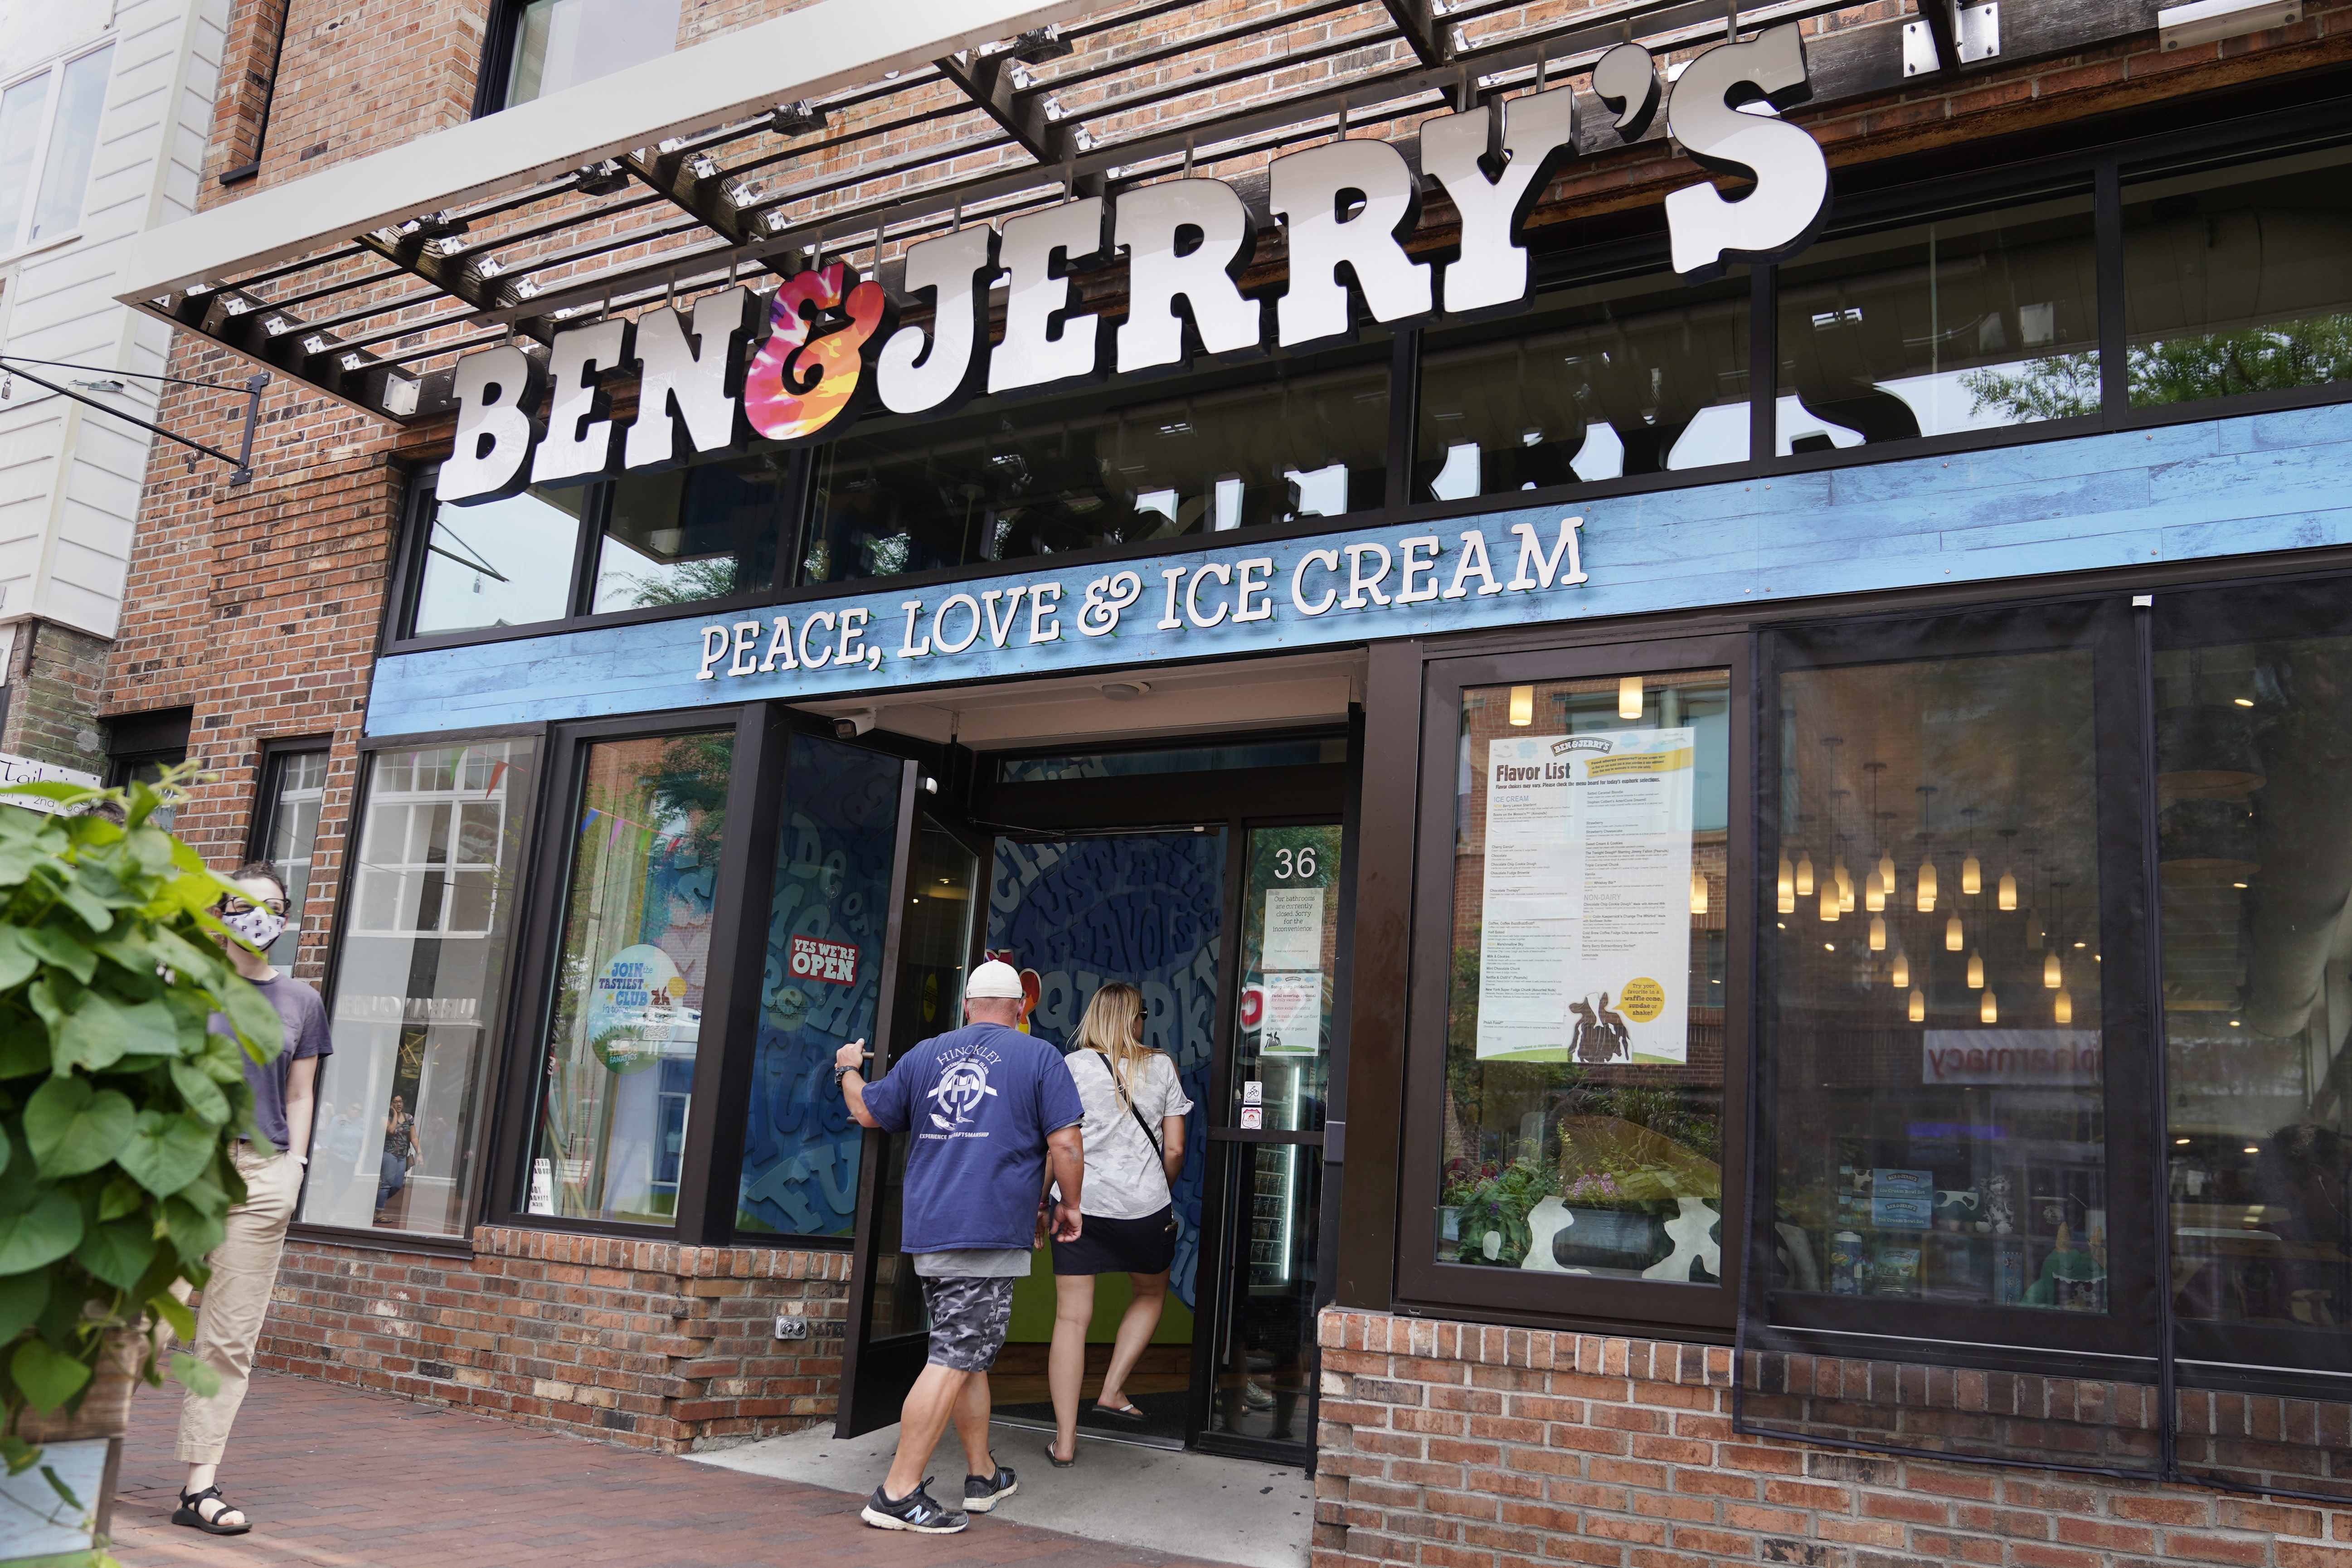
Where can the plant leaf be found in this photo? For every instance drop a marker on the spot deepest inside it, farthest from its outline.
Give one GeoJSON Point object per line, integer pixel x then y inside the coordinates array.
{"type": "Point", "coordinates": [194, 1233]}
{"type": "Point", "coordinates": [166, 1153]}
{"type": "Point", "coordinates": [102, 1031]}
{"type": "Point", "coordinates": [71, 1128]}
{"type": "Point", "coordinates": [22, 1296]}
{"type": "Point", "coordinates": [24, 1044]}
{"type": "Point", "coordinates": [58, 1485]}
{"type": "Point", "coordinates": [17, 959]}
{"type": "Point", "coordinates": [263, 1031]}
{"type": "Point", "coordinates": [122, 1197]}
{"type": "Point", "coordinates": [88, 906]}
{"type": "Point", "coordinates": [205, 1101]}
{"type": "Point", "coordinates": [46, 1378]}
{"type": "Point", "coordinates": [175, 1311]}
{"type": "Point", "coordinates": [197, 1377]}
{"type": "Point", "coordinates": [54, 946]}
{"type": "Point", "coordinates": [119, 1253]}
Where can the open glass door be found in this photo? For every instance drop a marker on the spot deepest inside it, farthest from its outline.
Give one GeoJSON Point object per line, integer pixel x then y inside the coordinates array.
{"type": "Point", "coordinates": [934, 947]}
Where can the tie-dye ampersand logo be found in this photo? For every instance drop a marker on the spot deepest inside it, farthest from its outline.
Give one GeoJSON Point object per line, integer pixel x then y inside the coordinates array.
{"type": "Point", "coordinates": [798, 384]}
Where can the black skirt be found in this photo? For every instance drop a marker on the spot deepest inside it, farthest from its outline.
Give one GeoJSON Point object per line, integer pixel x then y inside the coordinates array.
{"type": "Point", "coordinates": [1145, 1245]}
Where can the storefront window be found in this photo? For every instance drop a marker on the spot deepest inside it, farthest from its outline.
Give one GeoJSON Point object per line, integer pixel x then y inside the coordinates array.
{"type": "Point", "coordinates": [2255, 849]}
{"type": "Point", "coordinates": [1584, 1085]}
{"type": "Point", "coordinates": [498, 562]}
{"type": "Point", "coordinates": [828, 909]}
{"type": "Point", "coordinates": [647, 830]}
{"type": "Point", "coordinates": [2239, 279]}
{"type": "Point", "coordinates": [1290, 948]}
{"type": "Point", "coordinates": [296, 784]}
{"type": "Point", "coordinates": [1637, 375]}
{"type": "Point", "coordinates": [1962, 323]}
{"type": "Point", "coordinates": [1296, 438]}
{"type": "Point", "coordinates": [1939, 1116]}
{"type": "Point", "coordinates": [689, 534]}
{"type": "Point", "coordinates": [418, 983]}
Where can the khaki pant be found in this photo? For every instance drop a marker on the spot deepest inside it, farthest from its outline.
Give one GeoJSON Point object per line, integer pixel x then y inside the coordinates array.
{"type": "Point", "coordinates": [236, 1299]}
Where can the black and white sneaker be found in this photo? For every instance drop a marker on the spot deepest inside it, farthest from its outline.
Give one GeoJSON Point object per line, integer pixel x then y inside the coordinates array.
{"type": "Point", "coordinates": [917, 1512]}
{"type": "Point", "coordinates": [980, 1492]}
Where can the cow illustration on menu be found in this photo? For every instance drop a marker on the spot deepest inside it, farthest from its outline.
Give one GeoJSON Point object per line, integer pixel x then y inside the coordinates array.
{"type": "Point", "coordinates": [1585, 932]}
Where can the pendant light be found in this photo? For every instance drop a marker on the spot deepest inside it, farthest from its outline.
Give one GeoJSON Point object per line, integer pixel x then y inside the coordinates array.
{"type": "Point", "coordinates": [1926, 886]}
{"type": "Point", "coordinates": [1878, 933]}
{"type": "Point", "coordinates": [1804, 874]}
{"type": "Point", "coordinates": [1953, 940]}
{"type": "Point", "coordinates": [1874, 891]}
{"type": "Point", "coordinates": [1787, 886]}
{"type": "Point", "coordinates": [1699, 892]}
{"type": "Point", "coordinates": [1927, 861]}
{"type": "Point", "coordinates": [1880, 879]}
{"type": "Point", "coordinates": [2008, 878]}
{"type": "Point", "coordinates": [1886, 872]}
{"type": "Point", "coordinates": [1901, 975]}
{"type": "Point", "coordinates": [1831, 908]}
{"type": "Point", "coordinates": [1523, 706]}
{"type": "Point", "coordinates": [1629, 697]}
{"type": "Point", "coordinates": [1844, 888]}
{"type": "Point", "coordinates": [1918, 1013]}
{"type": "Point", "coordinates": [1976, 972]}
{"type": "Point", "coordinates": [2062, 1009]}
{"type": "Point", "coordinates": [1988, 1009]}
{"type": "Point", "coordinates": [2053, 975]}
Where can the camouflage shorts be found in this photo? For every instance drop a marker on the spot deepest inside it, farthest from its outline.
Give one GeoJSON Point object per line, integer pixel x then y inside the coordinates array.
{"type": "Point", "coordinates": [968, 1321]}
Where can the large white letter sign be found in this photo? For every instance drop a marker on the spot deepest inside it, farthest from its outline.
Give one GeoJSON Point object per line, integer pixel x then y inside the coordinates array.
{"type": "Point", "coordinates": [1539, 134]}
{"type": "Point", "coordinates": [1626, 79]}
{"type": "Point", "coordinates": [1791, 196]}
{"type": "Point", "coordinates": [1046, 343]}
{"type": "Point", "coordinates": [931, 371]}
{"type": "Point", "coordinates": [687, 388]}
{"type": "Point", "coordinates": [1347, 204]}
{"type": "Point", "coordinates": [580, 440]}
{"type": "Point", "coordinates": [496, 390]}
{"type": "Point", "coordinates": [1154, 222]}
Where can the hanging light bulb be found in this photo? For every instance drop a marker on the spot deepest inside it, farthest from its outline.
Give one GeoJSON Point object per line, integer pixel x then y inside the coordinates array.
{"type": "Point", "coordinates": [1972, 877]}
{"type": "Point", "coordinates": [1787, 885]}
{"type": "Point", "coordinates": [2062, 1009]}
{"type": "Point", "coordinates": [1886, 871]}
{"type": "Point", "coordinates": [1699, 892]}
{"type": "Point", "coordinates": [1629, 697]}
{"type": "Point", "coordinates": [1844, 888]}
{"type": "Point", "coordinates": [1874, 891]}
{"type": "Point", "coordinates": [2007, 891]}
{"type": "Point", "coordinates": [1989, 1010]}
{"type": "Point", "coordinates": [2053, 975]}
{"type": "Point", "coordinates": [1918, 1006]}
{"type": "Point", "coordinates": [1831, 908]}
{"type": "Point", "coordinates": [1901, 976]}
{"type": "Point", "coordinates": [1878, 933]}
{"type": "Point", "coordinates": [1804, 875]}
{"type": "Point", "coordinates": [1976, 972]}
{"type": "Point", "coordinates": [1523, 706]}
{"type": "Point", "coordinates": [1953, 940]}
{"type": "Point", "coordinates": [1926, 886]}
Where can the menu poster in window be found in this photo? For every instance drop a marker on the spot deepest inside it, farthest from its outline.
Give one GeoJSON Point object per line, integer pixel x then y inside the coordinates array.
{"type": "Point", "coordinates": [1585, 944]}
{"type": "Point", "coordinates": [1294, 929]}
{"type": "Point", "coordinates": [1294, 1014]}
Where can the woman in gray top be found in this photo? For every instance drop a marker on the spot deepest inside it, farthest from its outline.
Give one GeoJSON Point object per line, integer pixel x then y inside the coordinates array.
{"type": "Point", "coordinates": [1134, 1141]}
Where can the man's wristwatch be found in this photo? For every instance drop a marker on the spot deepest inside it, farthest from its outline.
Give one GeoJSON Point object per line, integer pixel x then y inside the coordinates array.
{"type": "Point", "coordinates": [840, 1072]}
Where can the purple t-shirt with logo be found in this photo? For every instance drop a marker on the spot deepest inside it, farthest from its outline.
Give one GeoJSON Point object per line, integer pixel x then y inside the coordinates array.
{"type": "Point", "coordinates": [977, 1103]}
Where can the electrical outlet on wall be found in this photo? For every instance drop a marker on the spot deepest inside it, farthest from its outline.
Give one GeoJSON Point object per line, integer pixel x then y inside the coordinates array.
{"type": "Point", "coordinates": [791, 1326]}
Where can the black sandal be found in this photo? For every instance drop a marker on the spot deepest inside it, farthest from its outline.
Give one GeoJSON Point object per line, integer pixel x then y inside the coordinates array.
{"type": "Point", "coordinates": [189, 1514]}
{"type": "Point", "coordinates": [1060, 1463]}
{"type": "Point", "coordinates": [1126, 1413]}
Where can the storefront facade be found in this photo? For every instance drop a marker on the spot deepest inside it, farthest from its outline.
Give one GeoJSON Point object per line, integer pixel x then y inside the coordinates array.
{"type": "Point", "coordinates": [1758, 962]}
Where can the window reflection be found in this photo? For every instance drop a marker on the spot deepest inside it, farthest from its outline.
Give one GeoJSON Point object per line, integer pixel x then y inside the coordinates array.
{"type": "Point", "coordinates": [500, 563]}
{"type": "Point", "coordinates": [1965, 323]}
{"type": "Point", "coordinates": [1295, 437]}
{"type": "Point", "coordinates": [2256, 846]}
{"type": "Point", "coordinates": [1939, 1119]}
{"type": "Point", "coordinates": [1637, 375]}
{"type": "Point", "coordinates": [419, 976]}
{"type": "Point", "coordinates": [562, 43]}
{"type": "Point", "coordinates": [1584, 1039]}
{"type": "Point", "coordinates": [2239, 279]}
{"type": "Point", "coordinates": [297, 789]}
{"type": "Point", "coordinates": [693, 533]}
{"type": "Point", "coordinates": [630, 978]}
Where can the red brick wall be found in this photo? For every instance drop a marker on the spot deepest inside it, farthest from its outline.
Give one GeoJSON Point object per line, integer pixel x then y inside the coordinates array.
{"type": "Point", "coordinates": [1459, 1446]}
{"type": "Point", "coordinates": [644, 1343]}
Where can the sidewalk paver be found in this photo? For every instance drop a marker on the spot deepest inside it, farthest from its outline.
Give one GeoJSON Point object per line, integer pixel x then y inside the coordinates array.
{"type": "Point", "coordinates": [344, 1478]}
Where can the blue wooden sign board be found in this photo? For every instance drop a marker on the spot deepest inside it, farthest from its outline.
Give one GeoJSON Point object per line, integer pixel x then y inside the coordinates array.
{"type": "Point", "coordinates": [2208, 490]}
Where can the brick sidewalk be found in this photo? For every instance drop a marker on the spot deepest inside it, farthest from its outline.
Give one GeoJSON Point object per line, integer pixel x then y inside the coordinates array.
{"type": "Point", "coordinates": [343, 1479]}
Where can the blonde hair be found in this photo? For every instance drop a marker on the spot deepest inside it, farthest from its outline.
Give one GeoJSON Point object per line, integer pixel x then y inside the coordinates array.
{"type": "Point", "coordinates": [1113, 1024]}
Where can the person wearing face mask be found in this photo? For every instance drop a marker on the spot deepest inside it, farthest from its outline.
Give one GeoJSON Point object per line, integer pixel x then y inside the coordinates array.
{"type": "Point", "coordinates": [245, 1265]}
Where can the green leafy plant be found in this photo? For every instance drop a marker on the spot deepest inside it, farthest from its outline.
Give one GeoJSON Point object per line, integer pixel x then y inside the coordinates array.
{"type": "Point", "coordinates": [116, 1101]}
{"type": "Point", "coordinates": [1491, 1202]}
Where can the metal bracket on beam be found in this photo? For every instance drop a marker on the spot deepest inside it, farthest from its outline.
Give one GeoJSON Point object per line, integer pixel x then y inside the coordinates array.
{"type": "Point", "coordinates": [1431, 39]}
{"type": "Point", "coordinates": [988, 82]}
{"type": "Point", "coordinates": [1943, 39]}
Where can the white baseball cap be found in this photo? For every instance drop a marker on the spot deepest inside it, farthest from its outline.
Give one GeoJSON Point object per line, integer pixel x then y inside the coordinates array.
{"type": "Point", "coordinates": [996, 981]}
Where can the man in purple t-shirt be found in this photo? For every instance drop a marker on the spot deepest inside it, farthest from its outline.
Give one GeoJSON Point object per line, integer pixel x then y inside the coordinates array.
{"type": "Point", "coordinates": [988, 1108]}
{"type": "Point", "coordinates": [245, 1265]}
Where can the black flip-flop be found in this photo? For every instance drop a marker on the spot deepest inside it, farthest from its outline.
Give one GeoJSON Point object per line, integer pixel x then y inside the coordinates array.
{"type": "Point", "coordinates": [1061, 1464]}
{"type": "Point", "coordinates": [187, 1513]}
{"type": "Point", "coordinates": [1127, 1413]}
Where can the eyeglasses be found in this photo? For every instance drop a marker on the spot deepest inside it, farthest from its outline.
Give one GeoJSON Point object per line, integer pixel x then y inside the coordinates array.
{"type": "Point", "coordinates": [235, 907]}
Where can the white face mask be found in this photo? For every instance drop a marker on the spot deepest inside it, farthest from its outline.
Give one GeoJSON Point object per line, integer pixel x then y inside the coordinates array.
{"type": "Point", "coordinates": [259, 925]}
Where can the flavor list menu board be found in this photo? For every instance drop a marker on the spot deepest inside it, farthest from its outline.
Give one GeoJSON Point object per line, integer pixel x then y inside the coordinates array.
{"type": "Point", "coordinates": [1585, 944]}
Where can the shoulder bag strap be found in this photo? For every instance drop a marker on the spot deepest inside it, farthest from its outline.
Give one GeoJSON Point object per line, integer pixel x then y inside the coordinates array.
{"type": "Point", "coordinates": [1150, 1137]}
